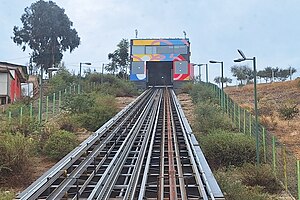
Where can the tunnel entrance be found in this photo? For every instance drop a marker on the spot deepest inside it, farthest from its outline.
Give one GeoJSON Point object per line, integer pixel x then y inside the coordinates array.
{"type": "Point", "coordinates": [159, 73]}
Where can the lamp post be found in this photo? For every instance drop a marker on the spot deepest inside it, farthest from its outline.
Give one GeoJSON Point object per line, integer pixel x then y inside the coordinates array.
{"type": "Point", "coordinates": [80, 64]}
{"type": "Point", "coordinates": [244, 58]}
{"type": "Point", "coordinates": [206, 71]}
{"type": "Point", "coordinates": [222, 80]}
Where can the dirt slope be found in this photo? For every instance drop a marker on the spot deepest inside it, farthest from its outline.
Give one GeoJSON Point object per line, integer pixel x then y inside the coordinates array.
{"type": "Point", "coordinates": [272, 96]}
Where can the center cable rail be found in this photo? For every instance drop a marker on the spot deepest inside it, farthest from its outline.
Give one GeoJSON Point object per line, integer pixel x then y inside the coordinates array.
{"type": "Point", "coordinates": [147, 151]}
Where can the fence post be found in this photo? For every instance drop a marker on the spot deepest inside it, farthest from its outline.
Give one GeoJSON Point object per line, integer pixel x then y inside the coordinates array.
{"type": "Point", "coordinates": [47, 107]}
{"type": "Point", "coordinates": [30, 111]}
{"type": "Point", "coordinates": [274, 154]}
{"type": "Point", "coordinates": [40, 116]}
{"type": "Point", "coordinates": [244, 121]}
{"type": "Point", "coordinates": [53, 107]}
{"type": "Point", "coordinates": [59, 101]}
{"type": "Point", "coordinates": [21, 115]}
{"type": "Point", "coordinates": [250, 124]}
{"type": "Point", "coordinates": [239, 118]}
{"type": "Point", "coordinates": [234, 113]}
{"type": "Point", "coordinates": [284, 167]}
{"type": "Point", "coordinates": [264, 144]}
{"type": "Point", "coordinates": [298, 175]}
{"type": "Point", "coordinates": [9, 116]}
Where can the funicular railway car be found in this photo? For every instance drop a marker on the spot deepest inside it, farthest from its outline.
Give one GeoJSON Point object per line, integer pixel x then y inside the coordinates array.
{"type": "Point", "coordinates": [160, 62]}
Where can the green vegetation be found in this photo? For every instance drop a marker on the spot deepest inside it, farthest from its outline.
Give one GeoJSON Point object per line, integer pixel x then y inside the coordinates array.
{"type": "Point", "coordinates": [230, 180]}
{"type": "Point", "coordinates": [90, 111]}
{"type": "Point", "coordinates": [210, 116]}
{"type": "Point", "coordinates": [15, 152]}
{"type": "Point", "coordinates": [288, 110]}
{"type": "Point", "coordinates": [60, 144]}
{"type": "Point", "coordinates": [226, 149]}
{"type": "Point", "coordinates": [230, 154]}
{"type": "Point", "coordinates": [6, 195]}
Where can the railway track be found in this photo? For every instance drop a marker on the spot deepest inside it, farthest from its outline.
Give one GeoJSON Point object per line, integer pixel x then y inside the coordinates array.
{"type": "Point", "coordinates": [147, 151]}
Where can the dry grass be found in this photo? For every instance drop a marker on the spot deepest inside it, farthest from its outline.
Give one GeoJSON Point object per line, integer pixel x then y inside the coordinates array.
{"type": "Point", "coordinates": [271, 96]}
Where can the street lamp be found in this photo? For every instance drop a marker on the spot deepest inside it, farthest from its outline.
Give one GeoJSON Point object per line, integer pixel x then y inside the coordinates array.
{"type": "Point", "coordinates": [206, 70]}
{"type": "Point", "coordinates": [222, 80]}
{"type": "Point", "coordinates": [86, 63]}
{"type": "Point", "coordinates": [255, 99]}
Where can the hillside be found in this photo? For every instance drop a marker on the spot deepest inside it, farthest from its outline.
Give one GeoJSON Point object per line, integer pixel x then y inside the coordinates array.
{"type": "Point", "coordinates": [271, 97]}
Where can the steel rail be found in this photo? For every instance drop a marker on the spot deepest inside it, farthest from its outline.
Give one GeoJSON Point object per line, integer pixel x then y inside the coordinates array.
{"type": "Point", "coordinates": [85, 184]}
{"type": "Point", "coordinates": [182, 184]}
{"type": "Point", "coordinates": [172, 171]}
{"type": "Point", "coordinates": [203, 187]}
{"type": "Point", "coordinates": [62, 189]}
{"type": "Point", "coordinates": [162, 157]}
{"type": "Point", "coordinates": [132, 186]}
{"type": "Point", "coordinates": [147, 164]}
{"type": "Point", "coordinates": [104, 185]}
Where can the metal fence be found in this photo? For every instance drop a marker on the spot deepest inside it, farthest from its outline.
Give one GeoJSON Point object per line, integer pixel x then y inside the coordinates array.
{"type": "Point", "coordinates": [285, 165]}
{"type": "Point", "coordinates": [43, 108]}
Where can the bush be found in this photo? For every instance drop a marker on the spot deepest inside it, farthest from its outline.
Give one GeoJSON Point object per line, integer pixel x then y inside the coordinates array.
{"type": "Point", "coordinates": [67, 123]}
{"type": "Point", "coordinates": [60, 144]}
{"type": "Point", "coordinates": [15, 152]}
{"type": "Point", "coordinates": [202, 93]}
{"type": "Point", "coordinates": [260, 175]}
{"type": "Point", "coordinates": [90, 110]}
{"type": "Point", "coordinates": [28, 126]}
{"type": "Point", "coordinates": [60, 81]}
{"type": "Point", "coordinates": [6, 195]}
{"type": "Point", "coordinates": [288, 110]}
{"type": "Point", "coordinates": [112, 85]}
{"type": "Point", "coordinates": [209, 116]}
{"type": "Point", "coordinates": [187, 87]}
{"type": "Point", "coordinates": [226, 149]}
{"type": "Point", "coordinates": [233, 189]}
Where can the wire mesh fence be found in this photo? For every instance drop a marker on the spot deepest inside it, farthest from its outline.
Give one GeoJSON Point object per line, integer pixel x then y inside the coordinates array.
{"type": "Point", "coordinates": [285, 165]}
{"type": "Point", "coordinates": [42, 109]}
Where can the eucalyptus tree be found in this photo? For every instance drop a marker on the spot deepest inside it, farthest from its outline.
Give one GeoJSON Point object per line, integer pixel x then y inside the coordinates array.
{"type": "Point", "coordinates": [47, 31]}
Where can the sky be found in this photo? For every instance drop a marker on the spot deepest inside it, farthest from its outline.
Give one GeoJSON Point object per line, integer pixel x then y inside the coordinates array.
{"type": "Point", "coordinates": [266, 29]}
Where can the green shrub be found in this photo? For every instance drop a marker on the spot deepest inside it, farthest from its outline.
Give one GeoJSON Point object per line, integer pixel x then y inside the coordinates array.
{"type": "Point", "coordinates": [67, 123]}
{"type": "Point", "coordinates": [202, 93]}
{"type": "Point", "coordinates": [60, 81]}
{"type": "Point", "coordinates": [60, 144]}
{"type": "Point", "coordinates": [233, 189]}
{"type": "Point", "coordinates": [225, 149]}
{"type": "Point", "coordinates": [288, 110]}
{"type": "Point", "coordinates": [91, 110]}
{"type": "Point", "coordinates": [27, 127]}
{"type": "Point", "coordinates": [6, 195]}
{"type": "Point", "coordinates": [15, 152]}
{"type": "Point", "coordinates": [261, 175]}
{"type": "Point", "coordinates": [187, 87]}
{"type": "Point", "coordinates": [209, 116]}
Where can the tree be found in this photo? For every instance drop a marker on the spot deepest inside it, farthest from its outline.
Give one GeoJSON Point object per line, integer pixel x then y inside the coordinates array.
{"type": "Point", "coordinates": [119, 58]}
{"type": "Point", "coordinates": [292, 71]}
{"type": "Point", "coordinates": [48, 31]}
{"type": "Point", "coordinates": [227, 80]}
{"type": "Point", "coordinates": [217, 80]}
{"type": "Point", "coordinates": [242, 73]}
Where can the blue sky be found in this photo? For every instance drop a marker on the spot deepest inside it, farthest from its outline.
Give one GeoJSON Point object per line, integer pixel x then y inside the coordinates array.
{"type": "Point", "coordinates": [268, 29]}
